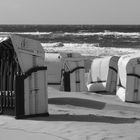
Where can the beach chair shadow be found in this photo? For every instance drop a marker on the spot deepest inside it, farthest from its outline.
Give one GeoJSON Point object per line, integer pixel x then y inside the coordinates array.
{"type": "Point", "coordinates": [86, 103]}
{"type": "Point", "coordinates": [84, 118]}
{"type": "Point", "coordinates": [65, 116]}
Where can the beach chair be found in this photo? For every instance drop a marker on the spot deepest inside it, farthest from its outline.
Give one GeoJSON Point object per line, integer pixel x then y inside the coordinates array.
{"type": "Point", "coordinates": [23, 79]}
{"type": "Point", "coordinates": [103, 75]}
{"type": "Point", "coordinates": [128, 85]}
{"type": "Point", "coordinates": [66, 71]}
{"type": "Point", "coordinates": [73, 72]}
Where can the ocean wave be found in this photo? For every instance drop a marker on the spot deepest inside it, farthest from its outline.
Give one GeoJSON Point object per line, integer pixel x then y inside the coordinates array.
{"type": "Point", "coordinates": [27, 33]}
{"type": "Point", "coordinates": [105, 33]}
{"type": "Point", "coordinates": [128, 34]}
{"type": "Point", "coordinates": [88, 49]}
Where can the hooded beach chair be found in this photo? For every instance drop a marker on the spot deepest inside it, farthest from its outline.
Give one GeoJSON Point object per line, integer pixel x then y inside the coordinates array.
{"type": "Point", "coordinates": [73, 72]}
{"type": "Point", "coordinates": [66, 70]}
{"type": "Point", "coordinates": [23, 79]}
{"type": "Point", "coordinates": [103, 75]}
{"type": "Point", "coordinates": [128, 86]}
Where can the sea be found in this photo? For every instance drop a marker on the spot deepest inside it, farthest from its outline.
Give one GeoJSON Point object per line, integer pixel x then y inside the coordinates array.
{"type": "Point", "coordinates": [78, 37]}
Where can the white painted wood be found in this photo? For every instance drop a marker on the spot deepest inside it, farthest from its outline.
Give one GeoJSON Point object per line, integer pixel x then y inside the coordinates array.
{"type": "Point", "coordinates": [45, 92]}
{"type": "Point", "coordinates": [121, 93]}
{"type": "Point", "coordinates": [32, 95]}
{"type": "Point", "coordinates": [138, 97]}
{"type": "Point", "coordinates": [36, 96]}
{"type": "Point", "coordinates": [41, 105]}
{"type": "Point", "coordinates": [82, 77]}
{"type": "Point", "coordinates": [72, 77]}
{"type": "Point", "coordinates": [130, 88]}
{"type": "Point", "coordinates": [54, 65]}
{"type": "Point", "coordinates": [26, 97]}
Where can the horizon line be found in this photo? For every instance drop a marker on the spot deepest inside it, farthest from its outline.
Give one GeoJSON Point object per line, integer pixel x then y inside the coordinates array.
{"type": "Point", "coordinates": [65, 24]}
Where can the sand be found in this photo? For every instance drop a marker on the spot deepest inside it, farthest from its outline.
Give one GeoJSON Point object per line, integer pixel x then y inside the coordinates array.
{"type": "Point", "coordinates": [90, 116]}
{"type": "Point", "coordinates": [77, 116]}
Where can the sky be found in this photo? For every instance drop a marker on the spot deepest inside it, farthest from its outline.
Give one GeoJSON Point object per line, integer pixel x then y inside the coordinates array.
{"type": "Point", "coordinates": [70, 12]}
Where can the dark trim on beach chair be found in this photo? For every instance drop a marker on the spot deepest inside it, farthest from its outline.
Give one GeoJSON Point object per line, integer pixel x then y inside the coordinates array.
{"type": "Point", "coordinates": [110, 67]}
{"type": "Point", "coordinates": [77, 68]}
{"type": "Point", "coordinates": [132, 74]}
{"type": "Point", "coordinates": [66, 79]}
{"type": "Point", "coordinates": [92, 82]}
{"type": "Point", "coordinates": [54, 83]}
{"type": "Point", "coordinates": [32, 70]}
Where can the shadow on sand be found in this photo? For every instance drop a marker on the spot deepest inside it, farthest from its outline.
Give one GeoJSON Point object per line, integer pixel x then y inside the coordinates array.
{"type": "Point", "coordinates": [84, 118]}
{"type": "Point", "coordinates": [77, 102]}
{"type": "Point", "coordinates": [92, 104]}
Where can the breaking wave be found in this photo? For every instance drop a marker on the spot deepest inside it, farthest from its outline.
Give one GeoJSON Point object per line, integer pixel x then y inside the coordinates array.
{"type": "Point", "coordinates": [27, 33]}
{"type": "Point", "coordinates": [87, 49]}
{"type": "Point", "coordinates": [117, 34]}
{"type": "Point", "coordinates": [105, 38]}
{"type": "Point", "coordinates": [105, 33]}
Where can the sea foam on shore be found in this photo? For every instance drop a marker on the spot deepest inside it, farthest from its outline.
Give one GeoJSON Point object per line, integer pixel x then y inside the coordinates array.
{"type": "Point", "coordinates": [87, 49]}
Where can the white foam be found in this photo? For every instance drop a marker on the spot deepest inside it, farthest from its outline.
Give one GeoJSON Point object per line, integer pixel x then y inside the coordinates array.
{"type": "Point", "coordinates": [2, 38]}
{"type": "Point", "coordinates": [88, 49]}
{"type": "Point", "coordinates": [117, 34]}
{"type": "Point", "coordinates": [27, 33]}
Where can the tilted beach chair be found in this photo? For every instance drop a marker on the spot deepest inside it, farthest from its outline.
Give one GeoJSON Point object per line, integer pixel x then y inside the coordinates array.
{"type": "Point", "coordinates": [103, 75]}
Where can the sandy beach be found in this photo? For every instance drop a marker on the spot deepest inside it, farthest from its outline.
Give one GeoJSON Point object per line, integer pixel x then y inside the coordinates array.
{"type": "Point", "coordinates": [29, 30]}
{"type": "Point", "coordinates": [77, 116]}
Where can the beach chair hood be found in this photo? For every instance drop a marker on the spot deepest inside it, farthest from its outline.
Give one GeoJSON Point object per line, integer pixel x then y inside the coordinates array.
{"type": "Point", "coordinates": [23, 47]}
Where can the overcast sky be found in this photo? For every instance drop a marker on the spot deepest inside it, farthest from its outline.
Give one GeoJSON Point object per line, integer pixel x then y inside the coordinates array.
{"type": "Point", "coordinates": [70, 12]}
